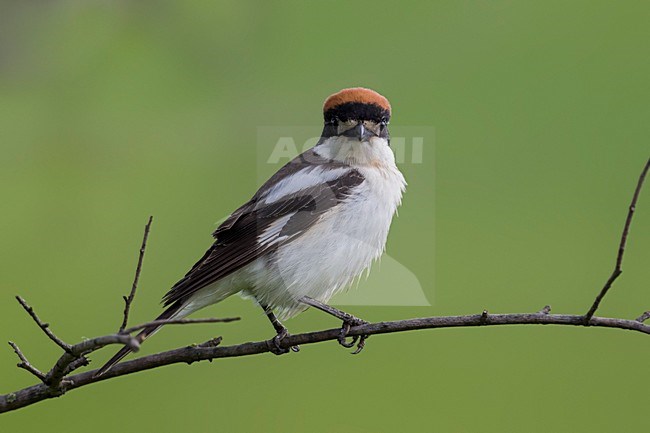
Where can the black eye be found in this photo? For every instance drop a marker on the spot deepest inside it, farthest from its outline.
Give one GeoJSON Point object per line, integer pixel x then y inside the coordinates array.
{"type": "Point", "coordinates": [383, 123]}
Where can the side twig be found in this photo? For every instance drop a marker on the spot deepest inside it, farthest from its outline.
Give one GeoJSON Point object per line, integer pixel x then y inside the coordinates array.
{"type": "Point", "coordinates": [621, 248]}
{"type": "Point", "coordinates": [128, 300]}
{"type": "Point", "coordinates": [25, 364]}
{"type": "Point", "coordinates": [44, 326]}
{"type": "Point", "coordinates": [643, 317]}
{"type": "Point", "coordinates": [70, 360]}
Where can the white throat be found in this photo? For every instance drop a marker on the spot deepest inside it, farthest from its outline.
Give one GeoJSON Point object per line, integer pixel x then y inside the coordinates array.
{"type": "Point", "coordinates": [374, 152]}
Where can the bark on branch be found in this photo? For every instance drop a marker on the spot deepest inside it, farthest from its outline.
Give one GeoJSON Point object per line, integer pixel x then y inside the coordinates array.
{"type": "Point", "coordinates": [58, 380]}
{"type": "Point", "coordinates": [210, 350]}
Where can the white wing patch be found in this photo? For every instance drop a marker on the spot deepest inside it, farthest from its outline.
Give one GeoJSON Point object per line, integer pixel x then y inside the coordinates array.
{"type": "Point", "coordinates": [270, 235]}
{"type": "Point", "coordinates": [303, 179]}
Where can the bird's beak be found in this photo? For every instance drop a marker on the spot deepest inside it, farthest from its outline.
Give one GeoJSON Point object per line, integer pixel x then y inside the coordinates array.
{"type": "Point", "coordinates": [359, 131]}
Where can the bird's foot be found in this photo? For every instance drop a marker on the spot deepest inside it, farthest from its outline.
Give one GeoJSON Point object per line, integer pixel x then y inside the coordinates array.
{"type": "Point", "coordinates": [275, 344]}
{"type": "Point", "coordinates": [348, 321]}
{"type": "Point", "coordinates": [347, 324]}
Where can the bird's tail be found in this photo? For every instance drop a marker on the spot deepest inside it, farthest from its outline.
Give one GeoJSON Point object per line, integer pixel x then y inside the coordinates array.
{"type": "Point", "coordinates": [169, 313]}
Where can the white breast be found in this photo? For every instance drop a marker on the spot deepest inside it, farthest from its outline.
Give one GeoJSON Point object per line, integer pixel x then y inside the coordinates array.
{"type": "Point", "coordinates": [336, 250]}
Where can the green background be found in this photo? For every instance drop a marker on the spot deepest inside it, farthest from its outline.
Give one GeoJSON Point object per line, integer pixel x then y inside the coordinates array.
{"type": "Point", "coordinates": [111, 111]}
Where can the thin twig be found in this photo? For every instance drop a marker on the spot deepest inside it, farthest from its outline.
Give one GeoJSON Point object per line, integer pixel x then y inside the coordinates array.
{"type": "Point", "coordinates": [74, 365]}
{"type": "Point", "coordinates": [179, 322]}
{"type": "Point", "coordinates": [211, 343]}
{"type": "Point", "coordinates": [621, 248]}
{"type": "Point", "coordinates": [44, 326]}
{"type": "Point", "coordinates": [128, 300]}
{"type": "Point", "coordinates": [64, 364]}
{"type": "Point", "coordinates": [643, 317]}
{"type": "Point", "coordinates": [25, 364]}
{"type": "Point", "coordinates": [207, 351]}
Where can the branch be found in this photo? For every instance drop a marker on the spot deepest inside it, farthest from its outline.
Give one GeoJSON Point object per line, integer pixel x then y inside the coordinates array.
{"type": "Point", "coordinates": [70, 360]}
{"type": "Point", "coordinates": [58, 380]}
{"type": "Point", "coordinates": [44, 326]}
{"type": "Point", "coordinates": [210, 350]}
{"type": "Point", "coordinates": [621, 248]}
{"type": "Point", "coordinates": [25, 364]}
{"type": "Point", "coordinates": [643, 317]}
{"type": "Point", "coordinates": [128, 300]}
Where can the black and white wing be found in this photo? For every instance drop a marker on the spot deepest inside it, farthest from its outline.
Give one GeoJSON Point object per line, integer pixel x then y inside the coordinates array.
{"type": "Point", "coordinates": [285, 207]}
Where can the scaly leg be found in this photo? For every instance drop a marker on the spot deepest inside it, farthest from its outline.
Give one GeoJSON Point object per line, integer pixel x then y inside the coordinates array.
{"type": "Point", "coordinates": [348, 321]}
{"type": "Point", "coordinates": [281, 333]}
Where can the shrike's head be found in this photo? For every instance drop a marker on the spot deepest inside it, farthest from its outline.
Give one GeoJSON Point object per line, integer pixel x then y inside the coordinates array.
{"type": "Point", "coordinates": [356, 127]}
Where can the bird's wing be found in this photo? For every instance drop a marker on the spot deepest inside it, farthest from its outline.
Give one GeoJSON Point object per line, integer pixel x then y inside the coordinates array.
{"type": "Point", "coordinates": [278, 213]}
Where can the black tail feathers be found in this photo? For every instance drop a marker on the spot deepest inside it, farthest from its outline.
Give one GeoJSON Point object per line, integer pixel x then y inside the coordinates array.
{"type": "Point", "coordinates": [143, 335]}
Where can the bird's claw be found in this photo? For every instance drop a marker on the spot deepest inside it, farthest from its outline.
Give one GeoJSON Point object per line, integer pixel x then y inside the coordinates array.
{"type": "Point", "coordinates": [347, 324]}
{"type": "Point", "coordinates": [275, 344]}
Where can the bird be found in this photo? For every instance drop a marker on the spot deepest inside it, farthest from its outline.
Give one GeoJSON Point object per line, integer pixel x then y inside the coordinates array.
{"type": "Point", "coordinates": [310, 230]}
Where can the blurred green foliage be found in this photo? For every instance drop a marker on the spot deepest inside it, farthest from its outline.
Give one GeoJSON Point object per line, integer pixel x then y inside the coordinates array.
{"type": "Point", "coordinates": [111, 111]}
